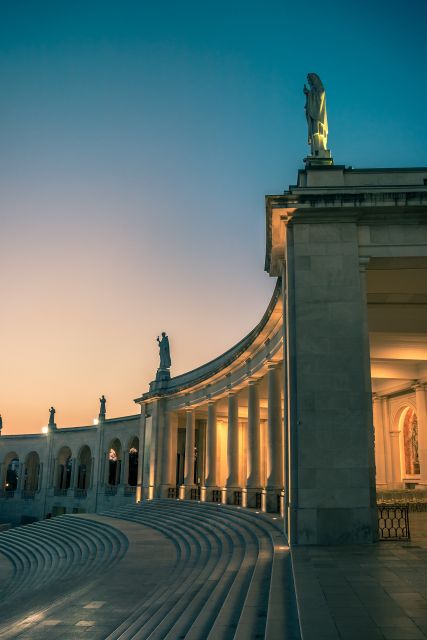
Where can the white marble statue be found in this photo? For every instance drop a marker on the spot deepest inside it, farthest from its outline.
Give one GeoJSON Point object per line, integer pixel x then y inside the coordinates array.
{"type": "Point", "coordinates": [315, 111]}
{"type": "Point", "coordinates": [165, 358]}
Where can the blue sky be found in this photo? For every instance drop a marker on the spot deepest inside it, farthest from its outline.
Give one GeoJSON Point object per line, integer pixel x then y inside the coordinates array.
{"type": "Point", "coordinates": [137, 142]}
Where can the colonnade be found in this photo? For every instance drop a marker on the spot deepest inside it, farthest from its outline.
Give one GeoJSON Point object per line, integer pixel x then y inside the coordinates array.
{"type": "Point", "coordinates": [240, 457]}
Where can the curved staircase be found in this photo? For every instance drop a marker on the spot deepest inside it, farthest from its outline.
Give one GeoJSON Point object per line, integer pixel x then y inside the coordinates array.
{"type": "Point", "coordinates": [160, 569]}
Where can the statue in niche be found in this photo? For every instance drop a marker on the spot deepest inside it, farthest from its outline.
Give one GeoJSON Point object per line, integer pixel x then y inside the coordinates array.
{"type": "Point", "coordinates": [102, 407]}
{"type": "Point", "coordinates": [315, 111]}
{"type": "Point", "coordinates": [165, 358]}
{"type": "Point", "coordinates": [52, 415]}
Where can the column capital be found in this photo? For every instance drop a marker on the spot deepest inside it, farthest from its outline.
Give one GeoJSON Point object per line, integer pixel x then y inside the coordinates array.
{"type": "Point", "coordinates": [272, 365]}
{"type": "Point", "coordinates": [419, 386]}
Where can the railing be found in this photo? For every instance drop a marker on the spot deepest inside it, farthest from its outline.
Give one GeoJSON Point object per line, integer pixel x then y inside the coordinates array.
{"type": "Point", "coordinates": [173, 493]}
{"type": "Point", "coordinates": [110, 490]}
{"type": "Point", "coordinates": [393, 522]}
{"type": "Point", "coordinates": [195, 494]}
{"type": "Point", "coordinates": [216, 495]}
{"type": "Point", "coordinates": [80, 494]}
{"type": "Point", "coordinates": [130, 490]}
{"type": "Point", "coordinates": [5, 493]}
{"type": "Point", "coordinates": [237, 498]}
{"type": "Point", "coordinates": [27, 495]}
{"type": "Point", "coordinates": [258, 501]}
{"type": "Point", "coordinates": [60, 492]}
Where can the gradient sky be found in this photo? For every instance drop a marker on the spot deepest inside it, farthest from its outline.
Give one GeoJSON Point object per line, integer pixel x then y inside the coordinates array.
{"type": "Point", "coordinates": [137, 142]}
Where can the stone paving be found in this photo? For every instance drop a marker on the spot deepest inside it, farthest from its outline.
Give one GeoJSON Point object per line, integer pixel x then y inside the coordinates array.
{"type": "Point", "coordinates": [364, 592]}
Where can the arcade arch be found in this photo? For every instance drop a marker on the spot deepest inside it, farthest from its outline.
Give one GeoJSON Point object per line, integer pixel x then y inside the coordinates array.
{"type": "Point", "coordinates": [114, 462]}
{"type": "Point", "coordinates": [84, 468]}
{"type": "Point", "coordinates": [32, 472]}
{"type": "Point", "coordinates": [64, 467]}
{"type": "Point", "coordinates": [11, 467]}
{"type": "Point", "coordinates": [132, 461]}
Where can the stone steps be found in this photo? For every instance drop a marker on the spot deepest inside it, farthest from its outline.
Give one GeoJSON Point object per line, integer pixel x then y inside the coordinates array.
{"type": "Point", "coordinates": [229, 582]}
{"type": "Point", "coordinates": [58, 549]}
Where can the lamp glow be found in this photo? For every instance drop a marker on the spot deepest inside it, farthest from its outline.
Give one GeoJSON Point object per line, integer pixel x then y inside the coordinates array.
{"type": "Point", "coordinates": [95, 421]}
{"type": "Point", "coordinates": [45, 429]}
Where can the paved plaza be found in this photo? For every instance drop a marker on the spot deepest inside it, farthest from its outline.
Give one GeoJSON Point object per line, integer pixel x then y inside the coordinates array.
{"type": "Point", "coordinates": [369, 592]}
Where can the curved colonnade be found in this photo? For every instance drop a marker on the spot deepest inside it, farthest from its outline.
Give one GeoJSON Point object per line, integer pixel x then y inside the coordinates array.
{"type": "Point", "coordinates": [217, 433]}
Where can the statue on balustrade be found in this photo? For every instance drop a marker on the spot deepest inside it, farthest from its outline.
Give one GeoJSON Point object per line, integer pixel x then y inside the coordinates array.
{"type": "Point", "coordinates": [165, 358]}
{"type": "Point", "coordinates": [102, 407]}
{"type": "Point", "coordinates": [52, 416]}
{"type": "Point", "coordinates": [317, 120]}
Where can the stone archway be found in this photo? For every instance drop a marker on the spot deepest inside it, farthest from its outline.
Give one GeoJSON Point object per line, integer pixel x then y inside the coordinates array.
{"type": "Point", "coordinates": [84, 468]}
{"type": "Point", "coordinates": [32, 472]}
{"type": "Point", "coordinates": [114, 462]}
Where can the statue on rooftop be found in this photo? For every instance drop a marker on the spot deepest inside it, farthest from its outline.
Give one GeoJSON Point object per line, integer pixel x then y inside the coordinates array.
{"type": "Point", "coordinates": [1, 423]}
{"type": "Point", "coordinates": [52, 416]}
{"type": "Point", "coordinates": [102, 407]}
{"type": "Point", "coordinates": [315, 111]}
{"type": "Point", "coordinates": [165, 358]}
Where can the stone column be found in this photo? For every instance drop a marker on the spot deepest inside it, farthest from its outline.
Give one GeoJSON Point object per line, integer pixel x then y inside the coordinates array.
{"type": "Point", "coordinates": [274, 440]}
{"type": "Point", "coordinates": [233, 481]}
{"type": "Point", "coordinates": [211, 452]}
{"type": "Point", "coordinates": [379, 442]}
{"type": "Point", "coordinates": [421, 404]}
{"type": "Point", "coordinates": [141, 454]}
{"type": "Point", "coordinates": [73, 475]}
{"type": "Point", "coordinates": [254, 445]}
{"type": "Point", "coordinates": [190, 428]}
{"type": "Point", "coordinates": [126, 466]}
{"type": "Point", "coordinates": [396, 471]}
{"type": "Point", "coordinates": [166, 468]}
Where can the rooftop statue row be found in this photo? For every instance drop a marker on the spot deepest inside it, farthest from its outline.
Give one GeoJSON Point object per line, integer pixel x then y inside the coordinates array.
{"type": "Point", "coordinates": [101, 417]}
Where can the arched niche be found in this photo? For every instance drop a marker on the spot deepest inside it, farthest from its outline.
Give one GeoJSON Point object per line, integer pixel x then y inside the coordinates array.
{"type": "Point", "coordinates": [63, 468]}
{"type": "Point", "coordinates": [32, 472]}
{"type": "Point", "coordinates": [114, 462]}
{"type": "Point", "coordinates": [84, 467]}
{"type": "Point", "coordinates": [11, 471]}
{"type": "Point", "coordinates": [133, 453]}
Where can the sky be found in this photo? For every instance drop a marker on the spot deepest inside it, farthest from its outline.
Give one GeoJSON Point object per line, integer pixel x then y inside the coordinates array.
{"type": "Point", "coordinates": [137, 142]}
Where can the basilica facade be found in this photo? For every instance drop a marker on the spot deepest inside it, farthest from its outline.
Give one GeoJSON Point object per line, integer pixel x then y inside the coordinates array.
{"type": "Point", "coordinates": [319, 407]}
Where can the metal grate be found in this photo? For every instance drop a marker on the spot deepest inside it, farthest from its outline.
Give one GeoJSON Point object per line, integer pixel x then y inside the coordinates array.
{"type": "Point", "coordinates": [172, 493]}
{"type": "Point", "coordinates": [238, 498]}
{"type": "Point", "coordinates": [216, 495]}
{"type": "Point", "coordinates": [393, 522]}
{"type": "Point", "coordinates": [258, 500]}
{"type": "Point", "coordinates": [195, 494]}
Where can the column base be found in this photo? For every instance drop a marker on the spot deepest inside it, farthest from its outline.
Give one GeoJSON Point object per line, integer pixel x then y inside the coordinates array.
{"type": "Point", "coordinates": [233, 495]}
{"type": "Point", "coordinates": [147, 493]}
{"type": "Point", "coordinates": [333, 526]}
{"type": "Point", "coordinates": [212, 494]}
{"type": "Point", "coordinates": [255, 497]}
{"type": "Point", "coordinates": [275, 500]}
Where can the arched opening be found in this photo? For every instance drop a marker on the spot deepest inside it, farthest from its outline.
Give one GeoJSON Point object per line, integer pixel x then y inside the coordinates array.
{"type": "Point", "coordinates": [32, 472]}
{"type": "Point", "coordinates": [84, 468]}
{"type": "Point", "coordinates": [11, 476]}
{"type": "Point", "coordinates": [114, 462]}
{"type": "Point", "coordinates": [63, 469]}
{"type": "Point", "coordinates": [133, 451]}
{"type": "Point", "coordinates": [410, 441]}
